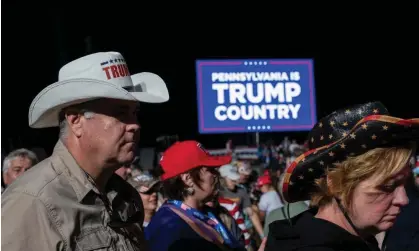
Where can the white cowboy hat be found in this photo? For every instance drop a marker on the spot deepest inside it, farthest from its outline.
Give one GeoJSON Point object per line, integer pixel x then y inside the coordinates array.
{"type": "Point", "coordinates": [98, 75]}
{"type": "Point", "coordinates": [229, 171]}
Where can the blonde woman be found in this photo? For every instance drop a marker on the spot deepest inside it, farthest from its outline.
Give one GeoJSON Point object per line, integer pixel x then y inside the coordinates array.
{"type": "Point", "coordinates": [354, 174]}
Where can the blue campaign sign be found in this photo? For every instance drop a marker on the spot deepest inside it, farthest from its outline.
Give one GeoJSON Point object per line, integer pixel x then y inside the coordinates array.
{"type": "Point", "coordinates": [255, 95]}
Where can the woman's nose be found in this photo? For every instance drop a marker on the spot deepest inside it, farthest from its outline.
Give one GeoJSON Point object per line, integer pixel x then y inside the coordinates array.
{"type": "Point", "coordinates": [401, 198]}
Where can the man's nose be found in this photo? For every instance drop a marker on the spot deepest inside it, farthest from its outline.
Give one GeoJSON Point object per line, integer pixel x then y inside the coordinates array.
{"type": "Point", "coordinates": [133, 127]}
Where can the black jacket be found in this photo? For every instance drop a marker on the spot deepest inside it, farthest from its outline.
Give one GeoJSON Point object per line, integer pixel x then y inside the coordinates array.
{"type": "Point", "coordinates": [310, 233]}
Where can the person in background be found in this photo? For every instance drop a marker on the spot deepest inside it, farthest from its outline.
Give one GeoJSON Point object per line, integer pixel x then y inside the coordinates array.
{"type": "Point", "coordinates": [293, 146]}
{"type": "Point", "coordinates": [355, 174]}
{"type": "Point", "coordinates": [229, 146]}
{"type": "Point", "coordinates": [225, 210]}
{"type": "Point", "coordinates": [229, 189]}
{"type": "Point", "coordinates": [288, 211]}
{"type": "Point", "coordinates": [15, 164]}
{"type": "Point", "coordinates": [276, 172]}
{"type": "Point", "coordinates": [73, 200]}
{"type": "Point", "coordinates": [190, 179]}
{"type": "Point", "coordinates": [270, 199]}
{"type": "Point", "coordinates": [285, 145]}
{"type": "Point", "coordinates": [245, 170]}
{"type": "Point", "coordinates": [147, 186]}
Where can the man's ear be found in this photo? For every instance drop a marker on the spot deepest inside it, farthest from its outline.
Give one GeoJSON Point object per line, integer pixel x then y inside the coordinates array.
{"type": "Point", "coordinates": [74, 121]}
{"type": "Point", "coordinates": [187, 179]}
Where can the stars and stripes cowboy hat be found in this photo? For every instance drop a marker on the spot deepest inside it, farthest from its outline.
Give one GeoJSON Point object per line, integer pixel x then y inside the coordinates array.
{"type": "Point", "coordinates": [347, 132]}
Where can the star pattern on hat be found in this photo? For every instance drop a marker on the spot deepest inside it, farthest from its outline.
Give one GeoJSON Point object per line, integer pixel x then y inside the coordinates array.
{"type": "Point", "coordinates": [336, 138]}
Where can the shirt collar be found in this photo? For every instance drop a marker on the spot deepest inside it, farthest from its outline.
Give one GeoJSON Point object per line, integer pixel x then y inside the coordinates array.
{"type": "Point", "coordinates": [76, 176]}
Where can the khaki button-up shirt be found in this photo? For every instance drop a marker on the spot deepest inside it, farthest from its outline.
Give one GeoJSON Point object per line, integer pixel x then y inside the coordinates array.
{"type": "Point", "coordinates": [53, 206]}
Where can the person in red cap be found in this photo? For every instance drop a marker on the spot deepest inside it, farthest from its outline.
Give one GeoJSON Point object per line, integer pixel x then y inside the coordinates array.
{"type": "Point", "coordinates": [189, 180]}
{"type": "Point", "coordinates": [270, 199]}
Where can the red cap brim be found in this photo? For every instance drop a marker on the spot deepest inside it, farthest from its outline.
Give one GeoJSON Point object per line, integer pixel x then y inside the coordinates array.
{"type": "Point", "coordinates": [216, 161]}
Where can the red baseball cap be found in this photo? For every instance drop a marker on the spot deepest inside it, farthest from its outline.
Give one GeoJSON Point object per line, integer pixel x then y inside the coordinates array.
{"type": "Point", "coordinates": [186, 155]}
{"type": "Point", "coordinates": [264, 180]}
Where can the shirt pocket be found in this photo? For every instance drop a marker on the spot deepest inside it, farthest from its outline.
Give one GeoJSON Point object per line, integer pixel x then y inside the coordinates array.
{"type": "Point", "coordinates": [94, 239]}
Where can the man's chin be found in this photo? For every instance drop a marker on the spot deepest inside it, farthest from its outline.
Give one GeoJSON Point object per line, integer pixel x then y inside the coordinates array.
{"type": "Point", "coordinates": [127, 159]}
{"type": "Point", "coordinates": [384, 226]}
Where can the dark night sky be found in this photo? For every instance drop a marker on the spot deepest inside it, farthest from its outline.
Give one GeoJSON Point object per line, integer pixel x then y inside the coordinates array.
{"type": "Point", "coordinates": [373, 60]}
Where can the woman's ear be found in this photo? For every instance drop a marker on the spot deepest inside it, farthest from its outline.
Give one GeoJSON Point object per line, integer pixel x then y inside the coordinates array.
{"type": "Point", "coordinates": [331, 187]}
{"type": "Point", "coordinates": [187, 179]}
{"type": "Point", "coordinates": [329, 182]}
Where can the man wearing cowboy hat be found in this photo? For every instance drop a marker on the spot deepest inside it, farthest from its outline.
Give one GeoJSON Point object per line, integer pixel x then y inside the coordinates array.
{"type": "Point", "coordinates": [73, 199]}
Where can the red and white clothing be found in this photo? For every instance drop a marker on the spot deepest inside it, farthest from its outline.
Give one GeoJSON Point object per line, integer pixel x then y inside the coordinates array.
{"type": "Point", "coordinates": [234, 210]}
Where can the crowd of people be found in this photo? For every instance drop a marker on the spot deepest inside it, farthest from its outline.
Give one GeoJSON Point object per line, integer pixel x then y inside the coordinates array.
{"type": "Point", "coordinates": [347, 187]}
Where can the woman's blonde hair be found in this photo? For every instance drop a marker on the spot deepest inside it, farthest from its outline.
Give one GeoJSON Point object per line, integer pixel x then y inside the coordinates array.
{"type": "Point", "coordinates": [342, 180]}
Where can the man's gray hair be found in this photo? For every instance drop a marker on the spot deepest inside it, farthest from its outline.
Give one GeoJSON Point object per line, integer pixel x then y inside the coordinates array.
{"type": "Point", "coordinates": [23, 153]}
{"type": "Point", "coordinates": [64, 124]}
